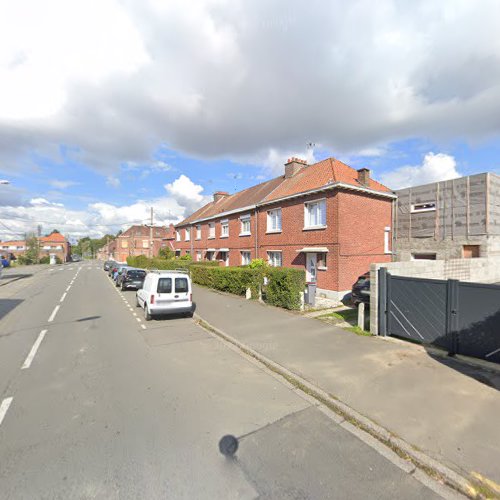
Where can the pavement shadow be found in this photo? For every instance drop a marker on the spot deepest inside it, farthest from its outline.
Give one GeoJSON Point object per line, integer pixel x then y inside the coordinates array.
{"type": "Point", "coordinates": [15, 276]}
{"type": "Point", "coordinates": [7, 305]}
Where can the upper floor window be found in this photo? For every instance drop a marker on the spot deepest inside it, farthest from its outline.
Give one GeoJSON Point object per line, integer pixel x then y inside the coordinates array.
{"type": "Point", "coordinates": [274, 220]}
{"type": "Point", "coordinates": [245, 225]}
{"type": "Point", "coordinates": [315, 214]}
{"type": "Point", "coordinates": [187, 235]}
{"type": "Point", "coordinates": [211, 229]}
{"type": "Point", "coordinates": [177, 235]}
{"type": "Point", "coordinates": [423, 207]}
{"type": "Point", "coordinates": [145, 244]}
{"type": "Point", "coordinates": [224, 228]}
{"type": "Point", "coordinates": [198, 232]}
{"type": "Point", "coordinates": [124, 244]}
{"type": "Point", "coordinates": [274, 259]}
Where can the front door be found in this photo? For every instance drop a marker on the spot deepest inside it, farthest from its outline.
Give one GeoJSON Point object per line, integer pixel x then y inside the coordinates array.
{"type": "Point", "coordinates": [311, 267]}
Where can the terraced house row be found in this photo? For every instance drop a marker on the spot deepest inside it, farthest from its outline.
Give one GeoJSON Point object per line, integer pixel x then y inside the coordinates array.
{"type": "Point", "coordinates": [327, 218]}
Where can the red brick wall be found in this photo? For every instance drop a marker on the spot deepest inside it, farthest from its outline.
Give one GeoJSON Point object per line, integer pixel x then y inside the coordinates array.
{"type": "Point", "coordinates": [362, 220]}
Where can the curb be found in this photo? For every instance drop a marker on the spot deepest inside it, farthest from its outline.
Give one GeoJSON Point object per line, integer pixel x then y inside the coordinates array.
{"type": "Point", "coordinates": [430, 466]}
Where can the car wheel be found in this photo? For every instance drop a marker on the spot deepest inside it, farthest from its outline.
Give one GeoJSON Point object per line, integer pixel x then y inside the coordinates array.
{"type": "Point", "coordinates": [123, 288]}
{"type": "Point", "coordinates": [137, 303]}
{"type": "Point", "coordinates": [147, 314]}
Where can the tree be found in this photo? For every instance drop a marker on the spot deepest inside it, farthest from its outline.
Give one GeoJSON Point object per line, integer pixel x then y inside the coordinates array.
{"type": "Point", "coordinates": [166, 253]}
{"type": "Point", "coordinates": [32, 250]}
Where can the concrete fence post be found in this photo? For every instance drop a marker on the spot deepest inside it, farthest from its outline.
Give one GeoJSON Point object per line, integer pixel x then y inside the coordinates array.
{"type": "Point", "coordinates": [361, 315]}
{"type": "Point", "coordinates": [382, 301]}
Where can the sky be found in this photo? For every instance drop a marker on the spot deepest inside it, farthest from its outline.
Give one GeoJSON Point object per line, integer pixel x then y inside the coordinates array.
{"type": "Point", "coordinates": [108, 107]}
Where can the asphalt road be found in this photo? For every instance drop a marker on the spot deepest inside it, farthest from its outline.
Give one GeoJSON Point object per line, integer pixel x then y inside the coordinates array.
{"type": "Point", "coordinates": [97, 403]}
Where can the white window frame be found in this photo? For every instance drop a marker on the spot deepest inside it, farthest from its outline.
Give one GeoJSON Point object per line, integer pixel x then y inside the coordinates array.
{"type": "Point", "coordinates": [271, 254]}
{"type": "Point", "coordinates": [429, 206]}
{"type": "Point", "coordinates": [325, 267]}
{"type": "Point", "coordinates": [198, 256]}
{"type": "Point", "coordinates": [224, 224]}
{"type": "Point", "coordinates": [145, 244]}
{"type": "Point", "coordinates": [187, 234]}
{"type": "Point", "coordinates": [210, 255]}
{"type": "Point", "coordinates": [211, 230]}
{"type": "Point", "coordinates": [307, 224]}
{"type": "Point", "coordinates": [198, 231]}
{"type": "Point", "coordinates": [387, 234]}
{"type": "Point", "coordinates": [246, 253]}
{"type": "Point", "coordinates": [243, 220]}
{"type": "Point", "coordinates": [177, 235]}
{"type": "Point", "coordinates": [270, 219]}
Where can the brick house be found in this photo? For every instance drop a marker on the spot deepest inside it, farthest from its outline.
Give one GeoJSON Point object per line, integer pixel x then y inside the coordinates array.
{"type": "Point", "coordinates": [136, 240]}
{"type": "Point", "coordinates": [53, 244]}
{"type": "Point", "coordinates": [327, 218]}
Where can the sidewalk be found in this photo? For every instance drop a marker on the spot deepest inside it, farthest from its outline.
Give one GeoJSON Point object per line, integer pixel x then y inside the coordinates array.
{"type": "Point", "coordinates": [445, 408]}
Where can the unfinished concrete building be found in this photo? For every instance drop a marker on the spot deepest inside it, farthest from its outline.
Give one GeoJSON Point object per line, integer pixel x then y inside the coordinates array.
{"type": "Point", "coordinates": [459, 218]}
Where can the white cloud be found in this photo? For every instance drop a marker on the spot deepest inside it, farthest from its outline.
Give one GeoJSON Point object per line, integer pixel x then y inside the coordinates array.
{"type": "Point", "coordinates": [435, 167]}
{"type": "Point", "coordinates": [239, 79]}
{"type": "Point", "coordinates": [181, 197]}
{"type": "Point", "coordinates": [113, 181]}
{"type": "Point", "coordinates": [187, 194]}
{"type": "Point", "coordinates": [58, 184]}
{"type": "Point", "coordinates": [275, 160]}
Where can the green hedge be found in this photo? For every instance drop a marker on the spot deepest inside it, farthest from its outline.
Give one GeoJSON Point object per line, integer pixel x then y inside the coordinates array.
{"type": "Point", "coordinates": [284, 287]}
{"type": "Point", "coordinates": [227, 279]}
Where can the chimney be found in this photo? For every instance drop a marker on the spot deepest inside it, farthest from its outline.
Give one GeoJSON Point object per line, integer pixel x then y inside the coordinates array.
{"type": "Point", "coordinates": [292, 166]}
{"type": "Point", "coordinates": [219, 195]}
{"type": "Point", "coordinates": [364, 176]}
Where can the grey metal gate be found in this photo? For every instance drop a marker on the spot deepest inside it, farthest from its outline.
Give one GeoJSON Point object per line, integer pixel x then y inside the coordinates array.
{"type": "Point", "coordinates": [463, 318]}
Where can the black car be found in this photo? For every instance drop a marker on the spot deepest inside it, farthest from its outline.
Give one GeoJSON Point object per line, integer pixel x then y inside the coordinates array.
{"type": "Point", "coordinates": [131, 278]}
{"type": "Point", "coordinates": [361, 290]}
{"type": "Point", "coordinates": [107, 264]}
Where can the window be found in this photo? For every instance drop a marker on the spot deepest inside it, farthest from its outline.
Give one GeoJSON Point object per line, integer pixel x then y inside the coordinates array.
{"type": "Point", "coordinates": [245, 258]}
{"type": "Point", "coordinates": [188, 252]}
{"type": "Point", "coordinates": [198, 256]}
{"type": "Point", "coordinates": [187, 234]}
{"type": "Point", "coordinates": [124, 244]}
{"type": "Point", "coordinates": [423, 256]}
{"type": "Point", "coordinates": [224, 228]}
{"type": "Point", "coordinates": [211, 229]}
{"type": "Point", "coordinates": [198, 232]}
{"type": "Point", "coordinates": [177, 253]}
{"type": "Point", "coordinates": [274, 259]}
{"type": "Point", "coordinates": [315, 214]}
{"type": "Point", "coordinates": [387, 233]}
{"type": "Point", "coordinates": [274, 221]}
{"type": "Point", "coordinates": [181, 285]}
{"type": "Point", "coordinates": [245, 225]}
{"type": "Point", "coordinates": [321, 260]}
{"type": "Point", "coordinates": [224, 257]}
{"type": "Point", "coordinates": [423, 207]}
{"type": "Point", "coordinates": [177, 235]}
{"type": "Point", "coordinates": [164, 285]}
{"type": "Point", "coordinates": [145, 244]}
{"type": "Point", "coordinates": [210, 255]}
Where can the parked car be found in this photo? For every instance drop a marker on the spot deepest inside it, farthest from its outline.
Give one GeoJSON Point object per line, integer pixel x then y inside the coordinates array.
{"type": "Point", "coordinates": [131, 278]}
{"type": "Point", "coordinates": [119, 270]}
{"type": "Point", "coordinates": [361, 290]}
{"type": "Point", "coordinates": [165, 292]}
{"type": "Point", "coordinates": [112, 269]}
{"type": "Point", "coordinates": [107, 264]}
{"type": "Point", "coordinates": [76, 258]}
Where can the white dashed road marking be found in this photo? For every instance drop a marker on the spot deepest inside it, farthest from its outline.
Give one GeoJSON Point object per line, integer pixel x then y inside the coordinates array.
{"type": "Point", "coordinates": [31, 355]}
{"type": "Point", "coordinates": [4, 407]}
{"type": "Point", "coordinates": [53, 315]}
{"type": "Point", "coordinates": [143, 327]}
{"type": "Point", "coordinates": [63, 297]}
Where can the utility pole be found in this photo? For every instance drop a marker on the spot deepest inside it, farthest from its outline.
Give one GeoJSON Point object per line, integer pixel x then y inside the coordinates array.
{"type": "Point", "coordinates": [151, 236]}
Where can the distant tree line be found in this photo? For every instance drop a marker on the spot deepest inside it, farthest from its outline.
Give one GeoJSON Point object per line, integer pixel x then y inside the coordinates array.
{"type": "Point", "coordinates": [88, 247]}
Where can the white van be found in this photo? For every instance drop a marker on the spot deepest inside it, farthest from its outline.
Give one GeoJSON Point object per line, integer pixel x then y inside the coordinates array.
{"type": "Point", "coordinates": [165, 292]}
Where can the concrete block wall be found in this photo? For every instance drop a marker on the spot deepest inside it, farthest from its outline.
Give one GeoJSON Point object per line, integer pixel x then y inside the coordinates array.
{"type": "Point", "coordinates": [481, 270]}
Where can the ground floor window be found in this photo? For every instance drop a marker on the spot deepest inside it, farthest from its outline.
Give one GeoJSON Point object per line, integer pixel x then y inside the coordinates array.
{"type": "Point", "coordinates": [274, 259]}
{"type": "Point", "coordinates": [321, 260]}
{"type": "Point", "coordinates": [177, 253]}
{"type": "Point", "coordinates": [198, 256]}
{"type": "Point", "coordinates": [224, 256]}
{"type": "Point", "coordinates": [245, 258]}
{"type": "Point", "coordinates": [210, 255]}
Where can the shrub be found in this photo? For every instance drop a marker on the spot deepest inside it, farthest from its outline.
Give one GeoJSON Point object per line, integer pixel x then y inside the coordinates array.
{"type": "Point", "coordinates": [45, 260]}
{"type": "Point", "coordinates": [23, 260]}
{"type": "Point", "coordinates": [284, 287]}
{"type": "Point", "coordinates": [227, 279]}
